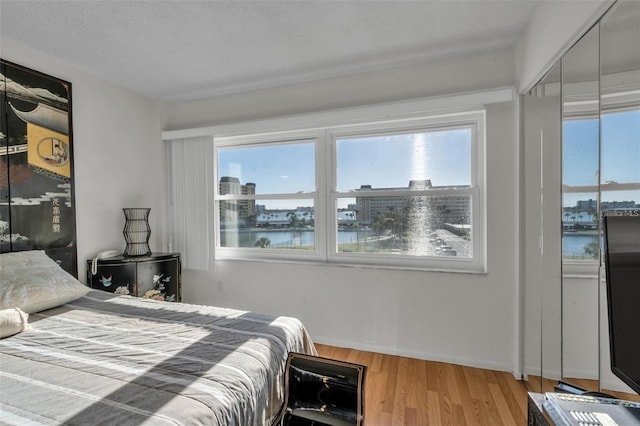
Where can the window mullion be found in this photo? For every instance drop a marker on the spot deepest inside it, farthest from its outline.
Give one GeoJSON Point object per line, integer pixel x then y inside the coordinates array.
{"type": "Point", "coordinates": [325, 179]}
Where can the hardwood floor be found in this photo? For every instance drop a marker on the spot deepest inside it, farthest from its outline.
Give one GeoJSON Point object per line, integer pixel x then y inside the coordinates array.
{"type": "Point", "coordinates": [411, 392]}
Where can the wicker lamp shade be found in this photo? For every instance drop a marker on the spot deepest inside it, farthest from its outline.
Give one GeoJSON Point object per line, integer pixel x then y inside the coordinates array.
{"type": "Point", "coordinates": [137, 231]}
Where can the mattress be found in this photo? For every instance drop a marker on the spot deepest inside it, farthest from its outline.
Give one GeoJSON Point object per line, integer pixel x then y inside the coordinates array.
{"type": "Point", "coordinates": [120, 360]}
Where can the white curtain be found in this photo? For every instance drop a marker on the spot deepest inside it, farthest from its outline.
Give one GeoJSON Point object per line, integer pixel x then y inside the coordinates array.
{"type": "Point", "coordinates": [190, 195]}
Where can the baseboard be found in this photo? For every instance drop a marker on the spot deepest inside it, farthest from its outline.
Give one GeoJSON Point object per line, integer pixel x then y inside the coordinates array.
{"type": "Point", "coordinates": [489, 365]}
{"type": "Point", "coordinates": [549, 374]}
{"type": "Point", "coordinates": [582, 374]}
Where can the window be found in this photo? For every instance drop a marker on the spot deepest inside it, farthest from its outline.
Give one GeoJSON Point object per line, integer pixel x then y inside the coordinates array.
{"type": "Point", "coordinates": [580, 150]}
{"type": "Point", "coordinates": [266, 192]}
{"type": "Point", "coordinates": [407, 193]}
{"type": "Point", "coordinates": [593, 170]}
{"type": "Point", "coordinates": [620, 176]}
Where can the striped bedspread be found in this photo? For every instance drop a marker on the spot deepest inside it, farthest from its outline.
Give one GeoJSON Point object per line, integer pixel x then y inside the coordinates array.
{"type": "Point", "coordinates": [119, 360]}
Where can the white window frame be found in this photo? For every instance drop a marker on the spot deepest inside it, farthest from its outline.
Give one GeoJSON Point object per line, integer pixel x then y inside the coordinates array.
{"type": "Point", "coordinates": [474, 120]}
{"type": "Point", "coordinates": [325, 197]}
{"type": "Point", "coordinates": [270, 139]}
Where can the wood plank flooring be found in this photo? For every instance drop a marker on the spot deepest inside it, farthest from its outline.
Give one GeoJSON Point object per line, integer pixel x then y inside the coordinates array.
{"type": "Point", "coordinates": [411, 392]}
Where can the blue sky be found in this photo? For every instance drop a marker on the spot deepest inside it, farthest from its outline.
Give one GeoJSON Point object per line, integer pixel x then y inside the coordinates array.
{"type": "Point", "coordinates": [382, 162]}
{"type": "Point", "coordinates": [274, 169]}
{"type": "Point", "coordinates": [620, 160]}
{"type": "Point", "coordinates": [392, 161]}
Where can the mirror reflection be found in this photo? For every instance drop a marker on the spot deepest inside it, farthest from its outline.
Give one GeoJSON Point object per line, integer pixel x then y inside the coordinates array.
{"type": "Point", "coordinates": [585, 114]}
{"type": "Point", "coordinates": [620, 143]}
{"type": "Point", "coordinates": [580, 224]}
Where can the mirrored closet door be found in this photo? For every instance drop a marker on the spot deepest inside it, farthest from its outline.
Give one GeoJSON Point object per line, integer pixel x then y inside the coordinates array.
{"type": "Point", "coordinates": [578, 163]}
{"type": "Point", "coordinates": [542, 128]}
{"type": "Point", "coordinates": [580, 223]}
{"type": "Point", "coordinates": [619, 185]}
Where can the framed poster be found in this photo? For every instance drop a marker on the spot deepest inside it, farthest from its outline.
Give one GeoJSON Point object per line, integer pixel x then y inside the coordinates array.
{"type": "Point", "coordinates": [36, 165]}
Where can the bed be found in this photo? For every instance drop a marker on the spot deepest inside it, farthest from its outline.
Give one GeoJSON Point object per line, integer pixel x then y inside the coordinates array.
{"type": "Point", "coordinates": [90, 357]}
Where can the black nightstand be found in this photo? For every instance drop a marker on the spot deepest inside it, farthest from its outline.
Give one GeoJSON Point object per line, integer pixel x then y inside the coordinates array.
{"type": "Point", "coordinates": [157, 276]}
{"type": "Point", "coordinates": [322, 391]}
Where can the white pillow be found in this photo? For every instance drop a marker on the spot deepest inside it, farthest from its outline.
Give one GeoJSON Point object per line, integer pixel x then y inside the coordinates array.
{"type": "Point", "coordinates": [33, 282]}
{"type": "Point", "coordinates": [12, 321]}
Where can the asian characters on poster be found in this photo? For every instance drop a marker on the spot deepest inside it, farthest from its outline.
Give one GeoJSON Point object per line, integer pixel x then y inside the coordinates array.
{"type": "Point", "coordinates": [36, 164]}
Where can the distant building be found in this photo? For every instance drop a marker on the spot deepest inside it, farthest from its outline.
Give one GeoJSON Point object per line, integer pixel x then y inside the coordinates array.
{"type": "Point", "coordinates": [236, 211]}
{"type": "Point", "coordinates": [283, 218]}
{"type": "Point", "coordinates": [437, 209]}
{"type": "Point", "coordinates": [618, 205]}
{"type": "Point", "coordinates": [587, 204]}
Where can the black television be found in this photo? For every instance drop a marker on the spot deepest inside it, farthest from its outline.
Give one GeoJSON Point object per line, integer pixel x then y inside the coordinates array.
{"type": "Point", "coordinates": [622, 265]}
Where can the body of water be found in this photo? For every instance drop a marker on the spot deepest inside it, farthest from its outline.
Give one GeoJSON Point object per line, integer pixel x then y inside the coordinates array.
{"type": "Point", "coordinates": [287, 238]}
{"type": "Point", "coordinates": [574, 244]}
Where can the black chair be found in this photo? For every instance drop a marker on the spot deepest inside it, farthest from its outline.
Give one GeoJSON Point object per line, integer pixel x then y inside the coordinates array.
{"type": "Point", "coordinates": [322, 392]}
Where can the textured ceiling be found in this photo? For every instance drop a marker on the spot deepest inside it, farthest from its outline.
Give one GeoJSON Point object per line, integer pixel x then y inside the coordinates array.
{"type": "Point", "coordinates": [181, 50]}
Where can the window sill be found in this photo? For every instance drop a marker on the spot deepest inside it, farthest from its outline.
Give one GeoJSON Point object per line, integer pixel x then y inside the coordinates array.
{"type": "Point", "coordinates": [354, 265]}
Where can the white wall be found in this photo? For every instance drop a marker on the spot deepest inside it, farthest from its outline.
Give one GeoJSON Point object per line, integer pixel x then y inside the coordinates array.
{"type": "Point", "coordinates": [554, 28]}
{"type": "Point", "coordinates": [119, 160]}
{"type": "Point", "coordinates": [461, 318]}
{"type": "Point", "coordinates": [469, 319]}
{"type": "Point", "coordinates": [445, 77]}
